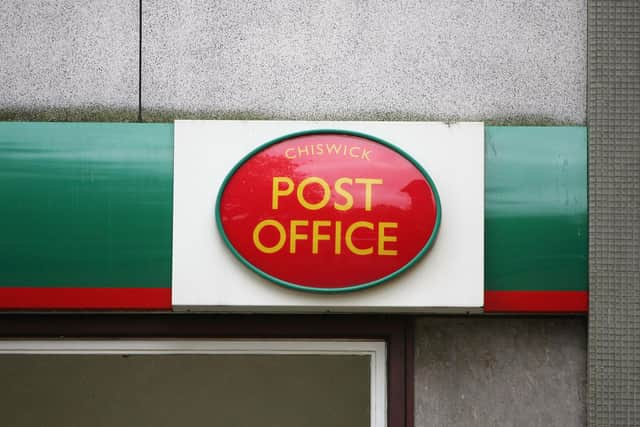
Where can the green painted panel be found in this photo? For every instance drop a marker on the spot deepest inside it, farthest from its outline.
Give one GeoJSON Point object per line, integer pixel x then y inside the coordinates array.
{"type": "Point", "coordinates": [85, 204]}
{"type": "Point", "coordinates": [536, 214]}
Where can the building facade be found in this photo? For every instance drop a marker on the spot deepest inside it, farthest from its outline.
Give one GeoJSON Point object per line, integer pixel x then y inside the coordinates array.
{"type": "Point", "coordinates": [88, 206]}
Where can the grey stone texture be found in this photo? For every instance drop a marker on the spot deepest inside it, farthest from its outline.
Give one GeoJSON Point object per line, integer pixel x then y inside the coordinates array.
{"type": "Point", "coordinates": [69, 59]}
{"type": "Point", "coordinates": [500, 371]}
{"type": "Point", "coordinates": [512, 61]}
{"type": "Point", "coordinates": [501, 61]}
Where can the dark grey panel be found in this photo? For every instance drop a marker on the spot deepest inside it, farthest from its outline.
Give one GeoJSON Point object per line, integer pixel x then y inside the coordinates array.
{"type": "Point", "coordinates": [614, 192]}
{"type": "Point", "coordinates": [500, 371]}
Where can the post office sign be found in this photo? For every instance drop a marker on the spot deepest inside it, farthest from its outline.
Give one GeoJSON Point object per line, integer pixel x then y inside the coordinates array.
{"type": "Point", "coordinates": [328, 216]}
{"type": "Point", "coordinates": [328, 210]}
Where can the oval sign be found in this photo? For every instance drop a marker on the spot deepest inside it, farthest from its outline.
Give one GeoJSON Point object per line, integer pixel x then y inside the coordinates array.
{"type": "Point", "coordinates": [328, 211]}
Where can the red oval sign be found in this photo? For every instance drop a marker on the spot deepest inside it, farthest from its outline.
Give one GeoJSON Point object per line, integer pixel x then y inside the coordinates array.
{"type": "Point", "coordinates": [328, 211]}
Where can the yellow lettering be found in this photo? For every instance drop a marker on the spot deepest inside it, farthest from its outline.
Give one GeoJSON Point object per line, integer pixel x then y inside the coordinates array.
{"type": "Point", "coordinates": [349, 241]}
{"type": "Point", "coordinates": [333, 148]}
{"type": "Point", "coordinates": [304, 150]}
{"type": "Point", "coordinates": [338, 246]}
{"type": "Point", "coordinates": [368, 182]}
{"type": "Point", "coordinates": [316, 236]}
{"type": "Point", "coordinates": [277, 192]}
{"type": "Point", "coordinates": [294, 234]}
{"type": "Point", "coordinates": [348, 203]}
{"type": "Point", "coordinates": [382, 238]}
{"type": "Point", "coordinates": [256, 236]}
{"type": "Point", "coordinates": [290, 153]}
{"type": "Point", "coordinates": [326, 193]}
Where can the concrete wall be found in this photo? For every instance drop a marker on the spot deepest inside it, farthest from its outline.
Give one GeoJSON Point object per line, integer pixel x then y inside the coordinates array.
{"type": "Point", "coordinates": [500, 371]}
{"type": "Point", "coordinates": [68, 60]}
{"type": "Point", "coordinates": [502, 61]}
{"type": "Point", "coordinates": [378, 59]}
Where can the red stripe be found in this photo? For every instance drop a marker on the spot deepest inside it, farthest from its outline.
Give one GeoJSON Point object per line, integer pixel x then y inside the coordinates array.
{"type": "Point", "coordinates": [160, 299]}
{"type": "Point", "coordinates": [85, 298]}
{"type": "Point", "coordinates": [536, 301]}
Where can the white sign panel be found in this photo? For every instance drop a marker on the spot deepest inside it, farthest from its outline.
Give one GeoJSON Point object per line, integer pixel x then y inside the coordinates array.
{"type": "Point", "coordinates": [207, 274]}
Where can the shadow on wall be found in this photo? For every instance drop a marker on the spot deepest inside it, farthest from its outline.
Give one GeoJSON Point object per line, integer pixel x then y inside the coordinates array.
{"type": "Point", "coordinates": [107, 114]}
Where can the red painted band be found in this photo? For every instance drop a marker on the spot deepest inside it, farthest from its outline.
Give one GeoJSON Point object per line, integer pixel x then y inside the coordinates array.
{"type": "Point", "coordinates": [160, 299]}
{"type": "Point", "coordinates": [85, 298]}
{"type": "Point", "coordinates": [536, 301]}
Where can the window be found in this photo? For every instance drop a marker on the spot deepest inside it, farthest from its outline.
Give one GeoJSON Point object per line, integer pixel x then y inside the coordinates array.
{"type": "Point", "coordinates": [193, 382]}
{"type": "Point", "coordinates": [377, 349]}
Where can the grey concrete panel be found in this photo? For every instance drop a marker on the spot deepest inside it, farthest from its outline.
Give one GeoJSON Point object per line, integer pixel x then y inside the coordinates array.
{"type": "Point", "coordinates": [500, 372]}
{"type": "Point", "coordinates": [69, 59]}
{"type": "Point", "coordinates": [503, 61]}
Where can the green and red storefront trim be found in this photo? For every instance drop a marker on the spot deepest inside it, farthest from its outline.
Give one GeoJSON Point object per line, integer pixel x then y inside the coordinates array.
{"type": "Point", "coordinates": [86, 217]}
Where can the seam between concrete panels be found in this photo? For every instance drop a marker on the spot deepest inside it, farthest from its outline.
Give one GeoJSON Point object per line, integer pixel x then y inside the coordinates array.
{"type": "Point", "coordinates": [140, 60]}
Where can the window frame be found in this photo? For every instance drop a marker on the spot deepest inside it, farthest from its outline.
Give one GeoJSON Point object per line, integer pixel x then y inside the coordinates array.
{"type": "Point", "coordinates": [395, 330]}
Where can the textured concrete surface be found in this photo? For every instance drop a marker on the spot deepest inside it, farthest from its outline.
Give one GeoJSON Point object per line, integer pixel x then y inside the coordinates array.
{"type": "Point", "coordinates": [614, 213]}
{"type": "Point", "coordinates": [500, 371]}
{"type": "Point", "coordinates": [69, 59]}
{"type": "Point", "coordinates": [504, 61]}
